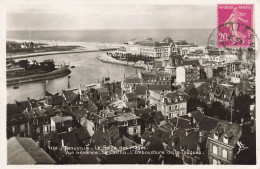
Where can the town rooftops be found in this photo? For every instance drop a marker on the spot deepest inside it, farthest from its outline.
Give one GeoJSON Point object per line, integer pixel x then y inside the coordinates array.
{"type": "Point", "coordinates": [159, 87]}
{"type": "Point", "coordinates": [22, 150]}
{"type": "Point", "coordinates": [132, 79]}
{"type": "Point", "coordinates": [130, 96]}
{"type": "Point", "coordinates": [148, 42]}
{"type": "Point", "coordinates": [58, 119]}
{"type": "Point", "coordinates": [56, 100]}
{"type": "Point", "coordinates": [141, 90]}
{"type": "Point", "coordinates": [70, 96]}
{"type": "Point", "coordinates": [191, 62]}
{"type": "Point", "coordinates": [102, 90]}
{"type": "Point", "coordinates": [126, 117]}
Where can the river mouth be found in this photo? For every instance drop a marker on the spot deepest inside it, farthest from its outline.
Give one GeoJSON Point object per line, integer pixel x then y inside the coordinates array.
{"type": "Point", "coordinates": [88, 70]}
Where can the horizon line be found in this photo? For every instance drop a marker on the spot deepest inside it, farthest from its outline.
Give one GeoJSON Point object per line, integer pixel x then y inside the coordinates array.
{"type": "Point", "coordinates": [100, 29]}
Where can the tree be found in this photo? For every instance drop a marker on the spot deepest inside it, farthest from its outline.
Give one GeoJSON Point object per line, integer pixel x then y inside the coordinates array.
{"type": "Point", "coordinates": [23, 63]}
{"type": "Point", "coordinates": [217, 110]}
{"type": "Point", "coordinates": [193, 93]}
{"type": "Point", "coordinates": [242, 107]}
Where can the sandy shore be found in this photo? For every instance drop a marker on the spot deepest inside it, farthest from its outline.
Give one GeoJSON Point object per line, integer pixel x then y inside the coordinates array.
{"type": "Point", "coordinates": [84, 47]}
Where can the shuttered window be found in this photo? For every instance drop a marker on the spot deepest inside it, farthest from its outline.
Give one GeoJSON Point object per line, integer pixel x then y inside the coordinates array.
{"type": "Point", "coordinates": [215, 150]}
{"type": "Point", "coordinates": [224, 153]}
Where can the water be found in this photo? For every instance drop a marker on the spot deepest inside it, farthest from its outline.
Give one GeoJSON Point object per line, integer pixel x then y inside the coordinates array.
{"type": "Point", "coordinates": [199, 36]}
{"type": "Point", "coordinates": [88, 69]}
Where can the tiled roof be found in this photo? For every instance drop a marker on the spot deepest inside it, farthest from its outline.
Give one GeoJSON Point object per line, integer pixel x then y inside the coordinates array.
{"type": "Point", "coordinates": [141, 90]}
{"type": "Point", "coordinates": [190, 141]}
{"type": "Point", "coordinates": [23, 105]}
{"type": "Point", "coordinates": [159, 87]}
{"type": "Point", "coordinates": [70, 139]}
{"type": "Point", "coordinates": [53, 137]}
{"type": "Point", "coordinates": [205, 123]}
{"type": "Point", "coordinates": [181, 122]}
{"type": "Point", "coordinates": [191, 62]}
{"type": "Point", "coordinates": [228, 129]}
{"type": "Point", "coordinates": [56, 100]}
{"type": "Point", "coordinates": [130, 95]}
{"type": "Point", "coordinates": [132, 79]}
{"type": "Point", "coordinates": [146, 135]}
{"type": "Point", "coordinates": [126, 117]}
{"type": "Point", "coordinates": [140, 112]}
{"type": "Point", "coordinates": [102, 90]}
{"type": "Point", "coordinates": [22, 150]}
{"type": "Point", "coordinates": [12, 109]}
{"type": "Point", "coordinates": [82, 133]}
{"type": "Point", "coordinates": [70, 96]}
{"type": "Point", "coordinates": [58, 119]}
{"type": "Point", "coordinates": [79, 113]}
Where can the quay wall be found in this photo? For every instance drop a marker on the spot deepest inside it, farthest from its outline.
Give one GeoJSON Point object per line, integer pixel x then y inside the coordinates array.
{"type": "Point", "coordinates": [63, 71]}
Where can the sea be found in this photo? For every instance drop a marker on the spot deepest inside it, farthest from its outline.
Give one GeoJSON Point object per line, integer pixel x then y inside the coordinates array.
{"type": "Point", "coordinates": [199, 36]}
{"type": "Point", "coordinates": [88, 69]}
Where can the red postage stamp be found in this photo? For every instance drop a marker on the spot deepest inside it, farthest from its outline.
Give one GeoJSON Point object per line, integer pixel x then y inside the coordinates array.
{"type": "Point", "coordinates": [235, 25]}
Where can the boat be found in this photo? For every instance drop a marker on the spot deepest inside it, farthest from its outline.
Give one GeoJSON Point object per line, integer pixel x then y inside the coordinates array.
{"type": "Point", "coordinates": [16, 87]}
{"type": "Point", "coordinates": [72, 67]}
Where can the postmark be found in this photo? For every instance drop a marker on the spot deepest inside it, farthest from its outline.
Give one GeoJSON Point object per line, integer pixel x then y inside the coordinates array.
{"type": "Point", "coordinates": [235, 25]}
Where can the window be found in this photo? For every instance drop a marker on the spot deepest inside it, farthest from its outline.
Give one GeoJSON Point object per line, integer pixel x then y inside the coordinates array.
{"type": "Point", "coordinates": [135, 131]}
{"type": "Point", "coordinates": [13, 129]}
{"type": "Point", "coordinates": [125, 123]}
{"type": "Point", "coordinates": [135, 122]}
{"type": "Point", "coordinates": [170, 115]}
{"type": "Point", "coordinates": [22, 127]}
{"type": "Point", "coordinates": [224, 153]}
{"type": "Point", "coordinates": [170, 107]}
{"type": "Point", "coordinates": [215, 136]}
{"type": "Point", "coordinates": [176, 106]}
{"type": "Point", "coordinates": [215, 150]}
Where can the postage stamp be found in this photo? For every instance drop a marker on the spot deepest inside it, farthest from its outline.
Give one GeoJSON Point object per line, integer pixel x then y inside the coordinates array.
{"type": "Point", "coordinates": [235, 25]}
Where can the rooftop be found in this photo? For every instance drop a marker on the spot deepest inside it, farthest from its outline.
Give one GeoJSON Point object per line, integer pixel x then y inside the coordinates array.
{"type": "Point", "coordinates": [58, 119]}
{"type": "Point", "coordinates": [126, 117]}
{"type": "Point", "coordinates": [22, 150]}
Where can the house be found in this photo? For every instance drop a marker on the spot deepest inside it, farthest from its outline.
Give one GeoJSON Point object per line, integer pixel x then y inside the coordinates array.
{"type": "Point", "coordinates": [39, 121]}
{"type": "Point", "coordinates": [171, 104]}
{"type": "Point", "coordinates": [130, 99]}
{"type": "Point", "coordinates": [103, 96]}
{"type": "Point", "coordinates": [22, 150]}
{"type": "Point", "coordinates": [224, 93]}
{"type": "Point", "coordinates": [17, 123]}
{"type": "Point", "coordinates": [61, 123]}
{"type": "Point", "coordinates": [224, 144]}
{"type": "Point", "coordinates": [130, 122]}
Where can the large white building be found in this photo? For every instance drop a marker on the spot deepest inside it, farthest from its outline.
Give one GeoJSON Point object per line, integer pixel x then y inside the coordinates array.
{"type": "Point", "coordinates": [151, 48]}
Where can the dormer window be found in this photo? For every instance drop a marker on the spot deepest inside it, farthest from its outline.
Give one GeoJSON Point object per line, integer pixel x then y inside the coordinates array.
{"type": "Point", "coordinates": [125, 123]}
{"type": "Point", "coordinates": [225, 140]}
{"type": "Point", "coordinates": [215, 136]}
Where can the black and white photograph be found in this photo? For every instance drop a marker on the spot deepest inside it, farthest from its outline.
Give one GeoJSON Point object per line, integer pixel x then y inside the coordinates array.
{"type": "Point", "coordinates": [129, 83]}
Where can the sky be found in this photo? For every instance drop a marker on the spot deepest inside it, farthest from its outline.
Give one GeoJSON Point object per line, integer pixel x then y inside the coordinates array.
{"type": "Point", "coordinates": [109, 16]}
